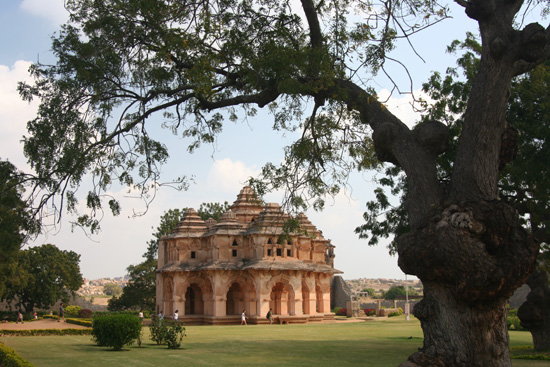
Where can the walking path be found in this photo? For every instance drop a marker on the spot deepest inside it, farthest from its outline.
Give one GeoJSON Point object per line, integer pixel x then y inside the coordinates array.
{"type": "Point", "coordinates": [40, 324]}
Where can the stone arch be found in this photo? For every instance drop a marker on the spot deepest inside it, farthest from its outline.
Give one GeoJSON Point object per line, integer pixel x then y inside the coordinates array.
{"type": "Point", "coordinates": [240, 295]}
{"type": "Point", "coordinates": [194, 302]}
{"type": "Point", "coordinates": [282, 296]}
{"type": "Point", "coordinates": [196, 292]}
{"type": "Point", "coordinates": [322, 291]}
{"type": "Point", "coordinates": [234, 300]}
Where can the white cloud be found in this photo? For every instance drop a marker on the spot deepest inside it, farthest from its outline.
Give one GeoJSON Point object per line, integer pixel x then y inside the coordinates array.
{"type": "Point", "coordinates": [14, 112]}
{"type": "Point", "coordinates": [403, 106]}
{"type": "Point", "coordinates": [52, 10]}
{"type": "Point", "coordinates": [229, 176]}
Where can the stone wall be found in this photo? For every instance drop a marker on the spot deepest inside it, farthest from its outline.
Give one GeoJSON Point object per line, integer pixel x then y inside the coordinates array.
{"type": "Point", "coordinates": [340, 292]}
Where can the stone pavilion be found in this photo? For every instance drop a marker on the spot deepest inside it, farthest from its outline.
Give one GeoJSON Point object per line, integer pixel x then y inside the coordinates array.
{"type": "Point", "coordinates": [211, 271]}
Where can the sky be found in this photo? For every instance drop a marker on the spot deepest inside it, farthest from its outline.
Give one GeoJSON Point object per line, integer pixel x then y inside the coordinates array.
{"type": "Point", "coordinates": [219, 170]}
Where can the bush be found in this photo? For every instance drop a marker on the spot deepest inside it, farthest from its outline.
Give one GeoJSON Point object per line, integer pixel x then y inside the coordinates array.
{"type": "Point", "coordinates": [8, 358]}
{"type": "Point", "coordinates": [72, 310]}
{"type": "Point", "coordinates": [339, 311]}
{"type": "Point", "coordinates": [174, 335]}
{"type": "Point", "coordinates": [369, 311]}
{"type": "Point", "coordinates": [115, 330]}
{"type": "Point", "coordinates": [87, 323]}
{"type": "Point", "coordinates": [45, 332]}
{"type": "Point", "coordinates": [158, 330]}
{"type": "Point", "coordinates": [513, 323]}
{"type": "Point", "coordinates": [85, 313]}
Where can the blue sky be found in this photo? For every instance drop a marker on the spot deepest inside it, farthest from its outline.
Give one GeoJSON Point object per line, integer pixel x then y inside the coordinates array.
{"type": "Point", "coordinates": [220, 170]}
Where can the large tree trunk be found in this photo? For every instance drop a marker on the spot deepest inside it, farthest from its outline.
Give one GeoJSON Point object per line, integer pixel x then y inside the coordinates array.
{"type": "Point", "coordinates": [535, 313]}
{"type": "Point", "coordinates": [470, 258]}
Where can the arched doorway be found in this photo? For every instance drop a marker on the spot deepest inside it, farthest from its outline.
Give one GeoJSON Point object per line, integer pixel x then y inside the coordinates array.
{"type": "Point", "coordinates": [194, 304]}
{"type": "Point", "coordinates": [305, 299]}
{"type": "Point", "coordinates": [282, 299]}
{"type": "Point", "coordinates": [235, 300]}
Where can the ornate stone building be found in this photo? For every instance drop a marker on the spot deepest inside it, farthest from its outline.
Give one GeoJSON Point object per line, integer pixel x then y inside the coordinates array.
{"type": "Point", "coordinates": [211, 271]}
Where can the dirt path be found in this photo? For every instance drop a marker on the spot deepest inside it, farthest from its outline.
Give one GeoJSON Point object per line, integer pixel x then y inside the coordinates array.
{"type": "Point", "coordinates": [40, 324]}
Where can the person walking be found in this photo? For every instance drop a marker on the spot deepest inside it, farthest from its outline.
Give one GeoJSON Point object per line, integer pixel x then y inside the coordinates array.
{"type": "Point", "coordinates": [243, 318]}
{"type": "Point", "coordinates": [270, 316]}
{"type": "Point", "coordinates": [176, 316]}
{"type": "Point", "coordinates": [20, 315]}
{"type": "Point", "coordinates": [61, 313]}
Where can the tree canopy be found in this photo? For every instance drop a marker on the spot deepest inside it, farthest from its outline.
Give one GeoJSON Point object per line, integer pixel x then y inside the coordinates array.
{"type": "Point", "coordinates": [16, 221]}
{"type": "Point", "coordinates": [122, 62]}
{"type": "Point", "coordinates": [45, 275]}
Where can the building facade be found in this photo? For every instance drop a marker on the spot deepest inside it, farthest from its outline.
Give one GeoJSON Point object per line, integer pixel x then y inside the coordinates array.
{"type": "Point", "coordinates": [211, 271]}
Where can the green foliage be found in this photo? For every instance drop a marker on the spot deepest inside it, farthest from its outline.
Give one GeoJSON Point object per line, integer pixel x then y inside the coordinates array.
{"type": "Point", "coordinates": [529, 353]}
{"type": "Point", "coordinates": [395, 292]}
{"type": "Point", "coordinates": [140, 290]}
{"type": "Point", "coordinates": [73, 310]}
{"type": "Point", "coordinates": [46, 275]}
{"type": "Point", "coordinates": [174, 335]}
{"type": "Point", "coordinates": [395, 313]}
{"type": "Point", "coordinates": [115, 330]}
{"type": "Point", "coordinates": [45, 332]}
{"type": "Point", "coordinates": [370, 291]}
{"type": "Point", "coordinates": [513, 323]}
{"type": "Point", "coordinates": [212, 210]}
{"type": "Point", "coordinates": [85, 313]}
{"type": "Point", "coordinates": [81, 322]}
{"type": "Point", "coordinates": [8, 358]}
{"type": "Point", "coordinates": [158, 330]}
{"type": "Point", "coordinates": [16, 224]}
{"type": "Point", "coordinates": [126, 61]}
{"type": "Point", "coordinates": [112, 289]}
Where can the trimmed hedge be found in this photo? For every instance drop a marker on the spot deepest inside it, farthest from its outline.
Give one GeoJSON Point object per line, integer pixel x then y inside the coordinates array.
{"type": "Point", "coordinates": [8, 358]}
{"type": "Point", "coordinates": [45, 332]}
{"type": "Point", "coordinates": [115, 330]}
{"type": "Point", "coordinates": [81, 322]}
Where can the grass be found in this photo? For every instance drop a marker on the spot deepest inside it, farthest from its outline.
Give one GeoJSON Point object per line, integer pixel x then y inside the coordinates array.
{"type": "Point", "coordinates": [374, 343]}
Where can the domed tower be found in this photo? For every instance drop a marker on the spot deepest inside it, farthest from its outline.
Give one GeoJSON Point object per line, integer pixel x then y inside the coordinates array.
{"type": "Point", "coordinates": [247, 206]}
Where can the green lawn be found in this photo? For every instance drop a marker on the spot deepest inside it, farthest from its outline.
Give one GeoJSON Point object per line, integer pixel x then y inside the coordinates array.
{"type": "Point", "coordinates": [373, 343]}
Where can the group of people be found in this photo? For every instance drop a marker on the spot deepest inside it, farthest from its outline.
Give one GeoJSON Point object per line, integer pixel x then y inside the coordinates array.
{"type": "Point", "coordinates": [269, 316]}
{"type": "Point", "coordinates": [20, 313]}
{"type": "Point", "coordinates": [176, 316]}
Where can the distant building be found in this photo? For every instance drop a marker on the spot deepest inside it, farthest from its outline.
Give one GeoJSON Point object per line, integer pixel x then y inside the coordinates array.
{"type": "Point", "coordinates": [211, 271]}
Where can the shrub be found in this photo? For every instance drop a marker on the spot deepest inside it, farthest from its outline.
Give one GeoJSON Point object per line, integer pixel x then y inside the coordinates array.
{"type": "Point", "coordinates": [115, 330]}
{"type": "Point", "coordinates": [158, 330]}
{"type": "Point", "coordinates": [513, 323]}
{"type": "Point", "coordinates": [369, 311]}
{"type": "Point", "coordinates": [87, 323]}
{"type": "Point", "coordinates": [8, 358]}
{"type": "Point", "coordinates": [336, 309]}
{"type": "Point", "coordinates": [174, 335]}
{"type": "Point", "coordinates": [72, 310]}
{"type": "Point", "coordinates": [85, 313]}
{"type": "Point", "coordinates": [45, 332]}
{"type": "Point", "coordinates": [342, 312]}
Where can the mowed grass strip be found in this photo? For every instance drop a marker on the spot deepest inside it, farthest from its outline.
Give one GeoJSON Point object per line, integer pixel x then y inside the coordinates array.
{"type": "Point", "coordinates": [373, 343]}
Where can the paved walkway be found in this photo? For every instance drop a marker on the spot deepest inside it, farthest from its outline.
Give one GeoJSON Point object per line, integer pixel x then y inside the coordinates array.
{"type": "Point", "coordinates": [40, 324]}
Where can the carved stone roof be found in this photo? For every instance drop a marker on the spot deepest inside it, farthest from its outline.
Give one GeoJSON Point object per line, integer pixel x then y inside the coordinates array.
{"type": "Point", "coordinates": [228, 224]}
{"type": "Point", "coordinates": [190, 226]}
{"type": "Point", "coordinates": [270, 220]}
{"type": "Point", "coordinates": [308, 228]}
{"type": "Point", "coordinates": [247, 205]}
{"type": "Point", "coordinates": [254, 264]}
